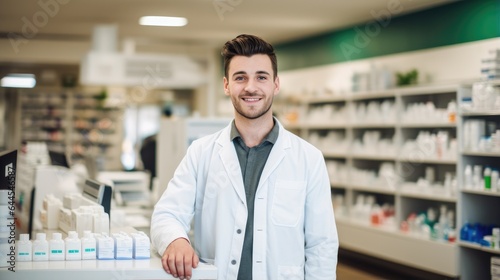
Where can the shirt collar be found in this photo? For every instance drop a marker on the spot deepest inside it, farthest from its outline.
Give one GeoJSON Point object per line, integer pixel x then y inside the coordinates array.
{"type": "Point", "coordinates": [271, 137]}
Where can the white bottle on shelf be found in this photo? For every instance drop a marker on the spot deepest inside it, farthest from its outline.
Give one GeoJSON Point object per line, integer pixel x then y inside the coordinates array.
{"type": "Point", "coordinates": [88, 246]}
{"type": "Point", "coordinates": [73, 246]}
{"type": "Point", "coordinates": [468, 177]}
{"type": "Point", "coordinates": [494, 180]}
{"type": "Point", "coordinates": [24, 248]}
{"type": "Point", "coordinates": [56, 247]}
{"type": "Point", "coordinates": [40, 247]}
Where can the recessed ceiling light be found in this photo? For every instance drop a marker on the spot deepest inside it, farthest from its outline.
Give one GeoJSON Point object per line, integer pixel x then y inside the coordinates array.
{"type": "Point", "coordinates": [19, 81]}
{"type": "Point", "coordinates": [162, 21]}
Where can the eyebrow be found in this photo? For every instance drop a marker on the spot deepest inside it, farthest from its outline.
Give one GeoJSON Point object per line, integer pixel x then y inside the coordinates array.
{"type": "Point", "coordinates": [258, 72]}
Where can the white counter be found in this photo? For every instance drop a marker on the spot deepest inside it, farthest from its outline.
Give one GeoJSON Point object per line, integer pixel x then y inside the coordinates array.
{"type": "Point", "coordinates": [100, 269]}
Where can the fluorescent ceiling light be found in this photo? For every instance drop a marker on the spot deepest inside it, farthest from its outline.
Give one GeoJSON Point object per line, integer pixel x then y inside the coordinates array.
{"type": "Point", "coordinates": [19, 81]}
{"type": "Point", "coordinates": [162, 21]}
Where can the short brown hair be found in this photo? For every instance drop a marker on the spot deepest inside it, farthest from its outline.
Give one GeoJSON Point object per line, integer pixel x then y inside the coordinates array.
{"type": "Point", "coordinates": [248, 45]}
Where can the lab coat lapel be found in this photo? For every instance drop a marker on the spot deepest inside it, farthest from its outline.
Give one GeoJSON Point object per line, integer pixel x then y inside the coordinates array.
{"type": "Point", "coordinates": [277, 154]}
{"type": "Point", "coordinates": [231, 164]}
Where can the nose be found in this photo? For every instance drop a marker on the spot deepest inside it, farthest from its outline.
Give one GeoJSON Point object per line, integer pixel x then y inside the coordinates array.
{"type": "Point", "coordinates": [251, 86]}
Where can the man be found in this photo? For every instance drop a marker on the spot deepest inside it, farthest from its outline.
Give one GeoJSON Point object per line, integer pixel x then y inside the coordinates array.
{"type": "Point", "coordinates": [260, 195]}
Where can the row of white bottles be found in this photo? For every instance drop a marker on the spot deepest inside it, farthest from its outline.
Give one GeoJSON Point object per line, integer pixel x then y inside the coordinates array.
{"type": "Point", "coordinates": [57, 249]}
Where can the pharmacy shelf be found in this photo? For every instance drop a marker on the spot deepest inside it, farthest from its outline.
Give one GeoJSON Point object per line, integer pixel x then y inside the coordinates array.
{"type": "Point", "coordinates": [428, 90]}
{"type": "Point", "coordinates": [323, 126]}
{"type": "Point", "coordinates": [335, 185]}
{"type": "Point", "coordinates": [392, 245]}
{"type": "Point", "coordinates": [372, 125]}
{"type": "Point", "coordinates": [427, 196]}
{"type": "Point", "coordinates": [481, 154]}
{"type": "Point", "coordinates": [369, 95]}
{"type": "Point", "coordinates": [479, 113]}
{"type": "Point", "coordinates": [408, 165]}
{"type": "Point", "coordinates": [55, 115]}
{"type": "Point", "coordinates": [482, 192]}
{"type": "Point", "coordinates": [371, 189]}
{"type": "Point", "coordinates": [329, 154]}
{"type": "Point", "coordinates": [478, 205]}
{"type": "Point", "coordinates": [359, 156]}
{"type": "Point", "coordinates": [429, 160]}
{"type": "Point", "coordinates": [427, 125]}
{"type": "Point", "coordinates": [478, 247]}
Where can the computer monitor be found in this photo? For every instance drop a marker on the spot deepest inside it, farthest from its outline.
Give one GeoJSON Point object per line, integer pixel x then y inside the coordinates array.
{"type": "Point", "coordinates": [58, 158]}
{"type": "Point", "coordinates": [8, 164]}
{"type": "Point", "coordinates": [99, 193]}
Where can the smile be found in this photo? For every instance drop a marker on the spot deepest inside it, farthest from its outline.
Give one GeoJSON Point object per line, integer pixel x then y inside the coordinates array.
{"type": "Point", "coordinates": [251, 99]}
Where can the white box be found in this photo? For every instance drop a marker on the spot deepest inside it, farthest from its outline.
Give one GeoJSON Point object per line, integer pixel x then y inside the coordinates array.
{"type": "Point", "coordinates": [105, 247]}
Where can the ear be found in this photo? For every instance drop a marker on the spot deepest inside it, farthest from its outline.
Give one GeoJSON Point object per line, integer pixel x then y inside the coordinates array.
{"type": "Point", "coordinates": [226, 86]}
{"type": "Point", "coordinates": [276, 85]}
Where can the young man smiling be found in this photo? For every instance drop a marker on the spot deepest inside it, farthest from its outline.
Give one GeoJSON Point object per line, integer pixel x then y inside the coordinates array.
{"type": "Point", "coordinates": [259, 195]}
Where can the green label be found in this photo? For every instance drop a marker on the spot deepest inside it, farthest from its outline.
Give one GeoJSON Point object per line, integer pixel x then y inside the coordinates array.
{"type": "Point", "coordinates": [73, 251]}
{"type": "Point", "coordinates": [23, 254]}
{"type": "Point", "coordinates": [56, 251]}
{"type": "Point", "coordinates": [89, 249]}
{"type": "Point", "coordinates": [39, 253]}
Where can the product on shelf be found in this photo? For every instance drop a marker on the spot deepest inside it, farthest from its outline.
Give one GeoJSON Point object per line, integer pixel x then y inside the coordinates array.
{"type": "Point", "coordinates": [430, 225]}
{"type": "Point", "coordinates": [480, 234]}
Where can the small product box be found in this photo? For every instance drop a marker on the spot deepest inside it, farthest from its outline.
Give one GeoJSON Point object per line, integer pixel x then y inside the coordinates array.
{"type": "Point", "coordinates": [495, 267]}
{"type": "Point", "coordinates": [105, 247]}
{"type": "Point", "coordinates": [123, 246]}
{"type": "Point", "coordinates": [142, 245]}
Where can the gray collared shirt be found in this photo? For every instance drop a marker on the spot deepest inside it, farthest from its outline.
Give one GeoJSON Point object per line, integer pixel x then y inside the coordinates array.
{"type": "Point", "coordinates": [252, 162]}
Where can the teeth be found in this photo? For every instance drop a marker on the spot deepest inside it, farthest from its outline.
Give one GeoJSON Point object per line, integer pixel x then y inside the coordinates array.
{"type": "Point", "coordinates": [251, 99]}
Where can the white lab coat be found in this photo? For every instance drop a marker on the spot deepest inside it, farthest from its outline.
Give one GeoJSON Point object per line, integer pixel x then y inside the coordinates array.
{"type": "Point", "coordinates": [295, 236]}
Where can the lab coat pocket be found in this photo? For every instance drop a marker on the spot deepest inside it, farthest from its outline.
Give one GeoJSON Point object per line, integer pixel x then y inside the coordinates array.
{"type": "Point", "coordinates": [290, 272]}
{"type": "Point", "coordinates": [288, 201]}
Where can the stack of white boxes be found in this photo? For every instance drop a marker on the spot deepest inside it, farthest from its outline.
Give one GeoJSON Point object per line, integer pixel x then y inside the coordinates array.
{"type": "Point", "coordinates": [495, 268]}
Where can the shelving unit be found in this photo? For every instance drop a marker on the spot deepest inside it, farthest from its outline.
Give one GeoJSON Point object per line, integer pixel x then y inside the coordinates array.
{"type": "Point", "coordinates": [376, 152]}
{"type": "Point", "coordinates": [477, 205]}
{"type": "Point", "coordinates": [72, 121]}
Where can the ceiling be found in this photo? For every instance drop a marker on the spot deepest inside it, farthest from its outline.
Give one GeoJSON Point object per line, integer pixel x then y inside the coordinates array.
{"type": "Point", "coordinates": [211, 22]}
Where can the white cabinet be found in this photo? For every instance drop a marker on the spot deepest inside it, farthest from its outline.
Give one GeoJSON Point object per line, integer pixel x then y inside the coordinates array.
{"type": "Point", "coordinates": [392, 161]}
{"type": "Point", "coordinates": [479, 201]}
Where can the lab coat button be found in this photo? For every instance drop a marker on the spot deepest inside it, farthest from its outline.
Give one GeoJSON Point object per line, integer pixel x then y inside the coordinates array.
{"type": "Point", "coordinates": [238, 231]}
{"type": "Point", "coordinates": [233, 262]}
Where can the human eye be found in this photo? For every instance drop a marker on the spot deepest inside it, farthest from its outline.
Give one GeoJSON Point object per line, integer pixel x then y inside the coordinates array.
{"type": "Point", "coordinates": [262, 77]}
{"type": "Point", "coordinates": [239, 78]}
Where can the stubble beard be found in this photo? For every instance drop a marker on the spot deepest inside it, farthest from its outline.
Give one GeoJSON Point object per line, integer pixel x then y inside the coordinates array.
{"type": "Point", "coordinates": [250, 115]}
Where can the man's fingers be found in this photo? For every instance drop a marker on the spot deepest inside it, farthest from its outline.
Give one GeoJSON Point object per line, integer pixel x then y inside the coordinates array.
{"type": "Point", "coordinates": [172, 264]}
{"type": "Point", "coordinates": [164, 263]}
{"type": "Point", "coordinates": [188, 268]}
{"type": "Point", "coordinates": [196, 260]}
{"type": "Point", "coordinates": [179, 265]}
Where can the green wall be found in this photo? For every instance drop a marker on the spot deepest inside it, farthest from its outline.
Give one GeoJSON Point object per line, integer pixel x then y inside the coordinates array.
{"type": "Point", "coordinates": [389, 33]}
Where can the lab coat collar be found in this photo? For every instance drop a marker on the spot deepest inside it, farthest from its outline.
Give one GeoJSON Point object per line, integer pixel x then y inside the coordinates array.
{"type": "Point", "coordinates": [231, 164]}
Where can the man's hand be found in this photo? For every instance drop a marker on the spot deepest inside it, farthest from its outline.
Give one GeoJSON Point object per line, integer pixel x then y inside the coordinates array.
{"type": "Point", "coordinates": [179, 259]}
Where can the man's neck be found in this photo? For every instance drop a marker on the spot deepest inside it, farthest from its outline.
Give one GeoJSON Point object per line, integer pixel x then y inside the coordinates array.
{"type": "Point", "coordinates": [254, 131]}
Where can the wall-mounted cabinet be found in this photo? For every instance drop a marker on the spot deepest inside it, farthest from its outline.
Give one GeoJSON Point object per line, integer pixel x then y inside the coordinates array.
{"type": "Point", "coordinates": [392, 161]}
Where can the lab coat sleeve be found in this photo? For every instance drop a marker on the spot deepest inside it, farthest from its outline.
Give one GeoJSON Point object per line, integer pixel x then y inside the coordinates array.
{"type": "Point", "coordinates": [321, 239]}
{"type": "Point", "coordinates": [174, 211]}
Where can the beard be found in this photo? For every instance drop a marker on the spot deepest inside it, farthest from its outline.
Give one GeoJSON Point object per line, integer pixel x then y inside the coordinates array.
{"type": "Point", "coordinates": [252, 112]}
